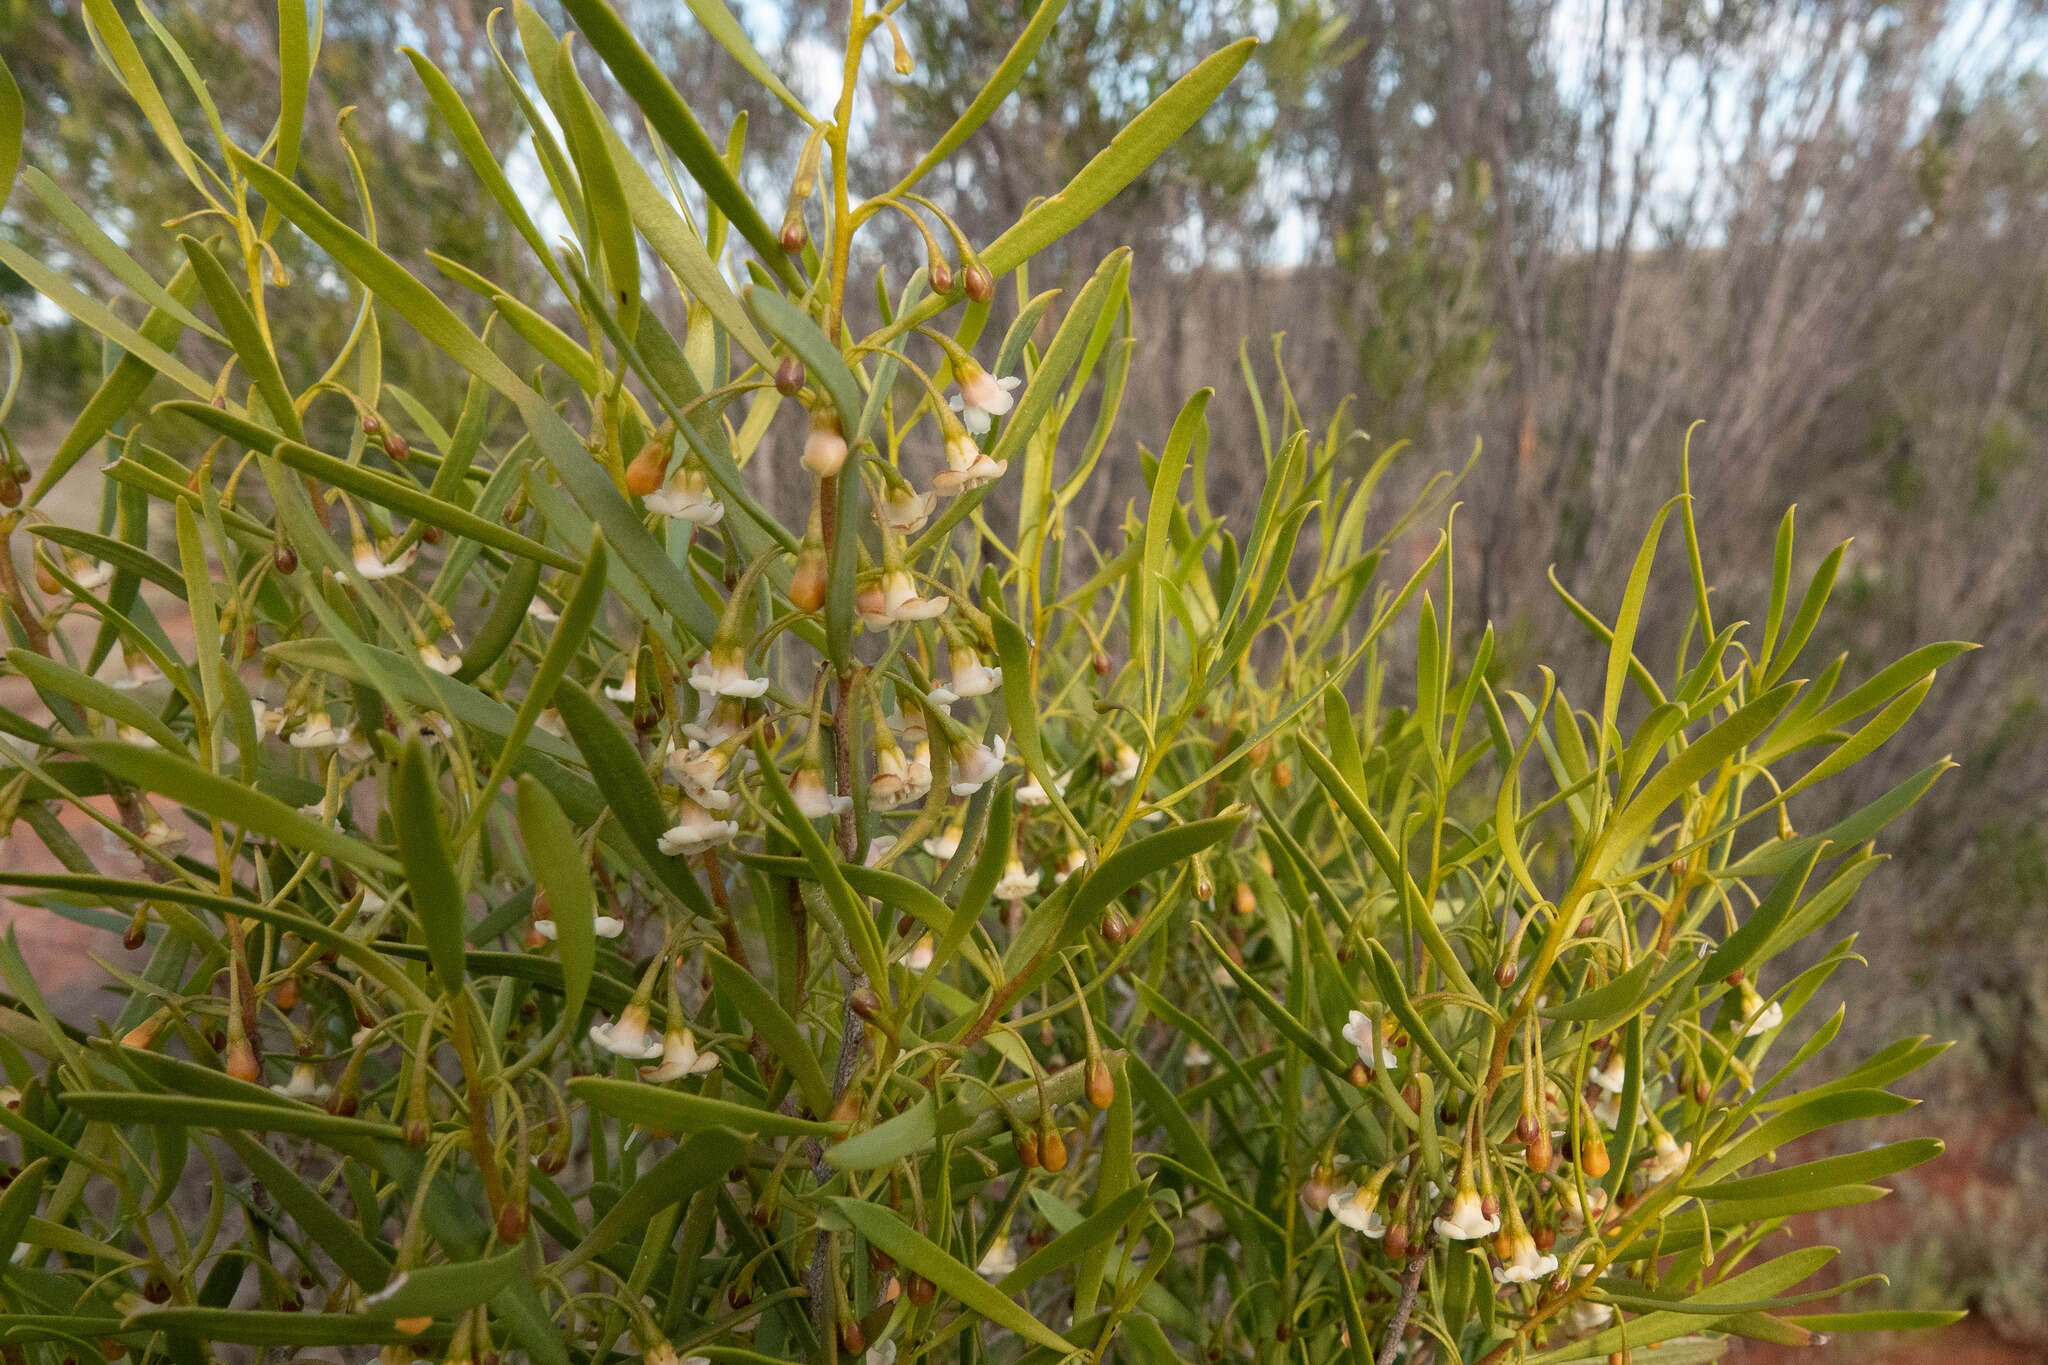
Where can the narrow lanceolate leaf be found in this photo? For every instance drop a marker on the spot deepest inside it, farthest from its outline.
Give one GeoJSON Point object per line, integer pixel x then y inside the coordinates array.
{"type": "Point", "coordinates": [180, 780]}
{"type": "Point", "coordinates": [444, 1290]}
{"type": "Point", "coordinates": [556, 857]}
{"type": "Point", "coordinates": [129, 1107]}
{"type": "Point", "coordinates": [10, 131]}
{"type": "Point", "coordinates": [955, 1280]}
{"type": "Point", "coordinates": [785, 1040]}
{"type": "Point", "coordinates": [1825, 1173]}
{"type": "Point", "coordinates": [1141, 142]}
{"type": "Point", "coordinates": [698, 1161]}
{"type": "Point", "coordinates": [18, 1202]}
{"type": "Point", "coordinates": [636, 71]}
{"type": "Point", "coordinates": [245, 335]}
{"type": "Point", "coordinates": [721, 24]}
{"type": "Point", "coordinates": [432, 885]}
{"type": "Point", "coordinates": [327, 1229]}
{"type": "Point", "coordinates": [674, 1111]}
{"type": "Point", "coordinates": [1007, 75]}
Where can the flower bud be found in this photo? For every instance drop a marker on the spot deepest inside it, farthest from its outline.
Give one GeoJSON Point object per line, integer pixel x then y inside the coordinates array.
{"type": "Point", "coordinates": [284, 558]}
{"type": "Point", "coordinates": [1027, 1149]}
{"type": "Point", "coordinates": [414, 1132]}
{"type": "Point", "coordinates": [512, 1220]}
{"type": "Point", "coordinates": [645, 473]}
{"type": "Point", "coordinates": [794, 235]}
{"type": "Point", "coordinates": [1245, 900]}
{"type": "Point", "coordinates": [1052, 1149]}
{"type": "Point", "coordinates": [241, 1060]}
{"type": "Point", "coordinates": [138, 930]}
{"type": "Point", "coordinates": [1525, 1129]}
{"type": "Point", "coordinates": [1594, 1160]}
{"type": "Point", "coordinates": [1361, 1075]}
{"type": "Point", "coordinates": [921, 1291]}
{"type": "Point", "coordinates": [413, 1326]}
{"type": "Point", "coordinates": [941, 276]}
{"type": "Point", "coordinates": [46, 580]}
{"type": "Point", "coordinates": [1504, 975]}
{"type": "Point", "coordinates": [1101, 1085]}
{"type": "Point", "coordinates": [371, 425]}
{"type": "Point", "coordinates": [288, 994]}
{"type": "Point", "coordinates": [865, 1003]}
{"type": "Point", "coordinates": [1396, 1241]}
{"type": "Point", "coordinates": [1540, 1155]}
{"type": "Point", "coordinates": [789, 377]}
{"type": "Point", "coordinates": [1100, 663]}
{"type": "Point", "coordinates": [981, 286]}
{"type": "Point", "coordinates": [808, 583]}
{"type": "Point", "coordinates": [852, 1339]}
{"type": "Point", "coordinates": [1116, 927]}
{"type": "Point", "coordinates": [10, 491]}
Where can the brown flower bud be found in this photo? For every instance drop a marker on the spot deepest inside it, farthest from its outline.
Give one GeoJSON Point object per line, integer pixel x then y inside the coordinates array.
{"type": "Point", "coordinates": [10, 491]}
{"type": "Point", "coordinates": [1525, 1129]}
{"type": "Point", "coordinates": [1594, 1160]}
{"type": "Point", "coordinates": [371, 426]}
{"type": "Point", "coordinates": [980, 284]}
{"type": "Point", "coordinates": [921, 1291]}
{"type": "Point", "coordinates": [793, 234]}
{"type": "Point", "coordinates": [397, 447]}
{"type": "Point", "coordinates": [808, 583]}
{"type": "Point", "coordinates": [46, 580]}
{"type": "Point", "coordinates": [1245, 900]}
{"type": "Point", "coordinates": [512, 1220]}
{"type": "Point", "coordinates": [284, 558]}
{"type": "Point", "coordinates": [1101, 1085]}
{"type": "Point", "coordinates": [1116, 927]}
{"type": "Point", "coordinates": [852, 1339]}
{"type": "Point", "coordinates": [1361, 1075]}
{"type": "Point", "coordinates": [865, 1003]}
{"type": "Point", "coordinates": [1100, 663]}
{"type": "Point", "coordinates": [414, 1132]}
{"type": "Point", "coordinates": [1540, 1155]}
{"type": "Point", "coordinates": [1396, 1241]}
{"type": "Point", "coordinates": [241, 1060]}
{"type": "Point", "coordinates": [789, 377]}
{"type": "Point", "coordinates": [1504, 975]}
{"type": "Point", "coordinates": [288, 994]}
{"type": "Point", "coordinates": [431, 535]}
{"type": "Point", "coordinates": [1027, 1149]}
{"type": "Point", "coordinates": [648, 468]}
{"type": "Point", "coordinates": [138, 931]}
{"type": "Point", "coordinates": [941, 276]}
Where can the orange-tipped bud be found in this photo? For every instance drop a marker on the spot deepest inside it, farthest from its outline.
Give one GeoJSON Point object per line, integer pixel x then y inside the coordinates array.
{"type": "Point", "coordinates": [241, 1060]}
{"type": "Point", "coordinates": [1052, 1149]}
{"type": "Point", "coordinates": [807, 584]}
{"type": "Point", "coordinates": [1027, 1149]}
{"type": "Point", "coordinates": [649, 468]}
{"type": "Point", "coordinates": [1245, 900]}
{"type": "Point", "coordinates": [1101, 1085]}
{"type": "Point", "coordinates": [1594, 1160]}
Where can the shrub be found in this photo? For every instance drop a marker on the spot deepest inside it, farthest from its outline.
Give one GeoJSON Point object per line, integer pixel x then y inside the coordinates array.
{"type": "Point", "coordinates": [585, 913]}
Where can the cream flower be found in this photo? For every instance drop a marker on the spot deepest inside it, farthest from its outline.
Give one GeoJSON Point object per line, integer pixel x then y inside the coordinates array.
{"type": "Point", "coordinates": [722, 672]}
{"type": "Point", "coordinates": [695, 830]}
{"type": "Point", "coordinates": [881, 1353]}
{"type": "Point", "coordinates": [726, 721]}
{"type": "Point", "coordinates": [1126, 766]}
{"type": "Point", "coordinates": [982, 397]}
{"type": "Point", "coordinates": [945, 843]}
{"type": "Point", "coordinates": [628, 1035]}
{"type": "Point", "coordinates": [550, 721]}
{"type": "Point", "coordinates": [902, 602]}
{"type": "Point", "coordinates": [905, 510]}
{"type": "Point", "coordinates": [370, 561]}
{"type": "Point", "coordinates": [1031, 792]}
{"type": "Point", "coordinates": [305, 1084]}
{"type": "Point", "coordinates": [1668, 1159]}
{"type": "Point", "coordinates": [687, 496]}
{"type": "Point", "coordinates": [967, 467]}
{"type": "Point", "coordinates": [889, 786]}
{"type": "Point", "coordinates": [918, 772]}
{"type": "Point", "coordinates": [918, 955]}
{"type": "Point", "coordinates": [1574, 1213]}
{"type": "Point", "coordinates": [1363, 1033]}
{"type": "Point", "coordinates": [628, 691]}
{"type": "Point", "coordinates": [813, 801]}
{"type": "Point", "coordinates": [91, 574]}
{"type": "Point", "coordinates": [433, 658]}
{"type": "Point", "coordinates": [141, 739]}
{"type": "Point", "coordinates": [1195, 1055]}
{"type": "Point", "coordinates": [318, 731]}
{"type": "Point", "coordinates": [1585, 1316]}
{"type": "Point", "coordinates": [1072, 861]}
{"type": "Point", "coordinates": [1612, 1076]}
{"type": "Point", "coordinates": [1000, 1260]}
{"type": "Point", "coordinates": [1467, 1220]}
{"type": "Point", "coordinates": [1016, 883]}
{"type": "Point", "coordinates": [700, 770]}
{"type": "Point", "coordinates": [974, 765]}
{"type": "Point", "coordinates": [1761, 1018]}
{"type": "Point", "coordinates": [1348, 1208]}
{"type": "Point", "coordinates": [267, 719]}
{"type": "Point", "coordinates": [140, 673]}
{"type": "Point", "coordinates": [679, 1058]}
{"type": "Point", "coordinates": [604, 926]}
{"type": "Point", "coordinates": [971, 677]}
{"type": "Point", "coordinates": [541, 610]}
{"type": "Point", "coordinates": [878, 849]}
{"type": "Point", "coordinates": [1524, 1262]}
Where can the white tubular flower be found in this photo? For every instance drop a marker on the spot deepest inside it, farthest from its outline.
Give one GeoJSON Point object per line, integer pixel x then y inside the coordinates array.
{"type": "Point", "coordinates": [91, 574]}
{"type": "Point", "coordinates": [141, 739]}
{"type": "Point", "coordinates": [550, 721]}
{"type": "Point", "coordinates": [812, 798]}
{"type": "Point", "coordinates": [666, 1354]}
{"type": "Point", "coordinates": [904, 510]}
{"type": "Point", "coordinates": [974, 764]}
{"type": "Point", "coordinates": [945, 843]}
{"type": "Point", "coordinates": [871, 604]}
{"type": "Point", "coordinates": [1761, 1018]}
{"type": "Point", "coordinates": [982, 397]}
{"type": "Point", "coordinates": [370, 561]}
{"type": "Point", "coordinates": [889, 787]}
{"type": "Point", "coordinates": [1612, 1076]}
{"type": "Point", "coordinates": [1353, 1211]}
{"type": "Point", "coordinates": [141, 673]}
{"type": "Point", "coordinates": [901, 601]}
{"type": "Point", "coordinates": [825, 448]}
{"type": "Point", "coordinates": [726, 721]}
{"type": "Point", "coordinates": [722, 672]}
{"type": "Point", "coordinates": [881, 1353]}
{"type": "Point", "coordinates": [695, 830]}
{"type": "Point", "coordinates": [1016, 882]}
{"type": "Point", "coordinates": [918, 772]}
{"type": "Point", "coordinates": [268, 719]}
{"type": "Point", "coordinates": [1585, 1316]}
{"type": "Point", "coordinates": [1467, 1220]}
{"type": "Point", "coordinates": [604, 926]}
{"type": "Point", "coordinates": [1126, 766]}
{"type": "Point", "coordinates": [1524, 1262]}
{"type": "Point", "coordinates": [627, 692]}
{"type": "Point", "coordinates": [305, 1084]}
{"type": "Point", "coordinates": [433, 658]}
{"type": "Point", "coordinates": [1574, 1213]}
{"type": "Point", "coordinates": [1072, 861]}
{"type": "Point", "coordinates": [918, 955]}
{"type": "Point", "coordinates": [318, 731]}
{"type": "Point", "coordinates": [542, 611]}
{"type": "Point", "coordinates": [1362, 1033]}
{"type": "Point", "coordinates": [967, 467]}
{"type": "Point", "coordinates": [878, 849]}
{"type": "Point", "coordinates": [700, 770]}
{"type": "Point", "coordinates": [1668, 1159]}
{"type": "Point", "coordinates": [1000, 1261]}
{"type": "Point", "coordinates": [687, 496]}
{"type": "Point", "coordinates": [971, 677]}
{"type": "Point", "coordinates": [628, 1035]}
{"type": "Point", "coordinates": [679, 1058]}
{"type": "Point", "coordinates": [1195, 1055]}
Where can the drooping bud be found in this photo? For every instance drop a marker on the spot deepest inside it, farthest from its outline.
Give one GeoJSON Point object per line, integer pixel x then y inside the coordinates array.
{"type": "Point", "coordinates": [284, 558]}
{"type": "Point", "coordinates": [921, 1291]}
{"type": "Point", "coordinates": [1593, 1160]}
{"type": "Point", "coordinates": [649, 467]}
{"type": "Point", "coordinates": [512, 1221]}
{"type": "Point", "coordinates": [1540, 1155]}
{"type": "Point", "coordinates": [981, 286]}
{"type": "Point", "coordinates": [852, 1339]}
{"type": "Point", "coordinates": [1504, 975]}
{"type": "Point", "coordinates": [414, 1131]}
{"type": "Point", "coordinates": [941, 276]}
{"type": "Point", "coordinates": [794, 235]}
{"type": "Point", "coordinates": [1396, 1241]}
{"type": "Point", "coordinates": [789, 377]}
{"type": "Point", "coordinates": [10, 491]}
{"type": "Point", "coordinates": [1101, 1085]}
{"type": "Point", "coordinates": [138, 930]}
{"type": "Point", "coordinates": [241, 1059]}
{"type": "Point", "coordinates": [807, 584]}
{"type": "Point", "coordinates": [1027, 1149]}
{"type": "Point", "coordinates": [1052, 1149]}
{"type": "Point", "coordinates": [825, 448]}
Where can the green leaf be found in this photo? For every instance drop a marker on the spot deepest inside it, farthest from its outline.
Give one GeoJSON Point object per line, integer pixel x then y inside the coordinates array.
{"type": "Point", "coordinates": [245, 334]}
{"type": "Point", "coordinates": [432, 885]}
{"type": "Point", "coordinates": [677, 1112]}
{"type": "Point", "coordinates": [925, 1257]}
{"type": "Point", "coordinates": [991, 95]}
{"type": "Point", "coordinates": [1141, 142]}
{"type": "Point", "coordinates": [1880, 1320]}
{"type": "Point", "coordinates": [854, 920]}
{"type": "Point", "coordinates": [719, 22]}
{"type": "Point", "coordinates": [18, 1203]}
{"type": "Point", "coordinates": [1834, 1170]}
{"type": "Point", "coordinates": [93, 695]}
{"type": "Point", "coordinates": [669, 116]}
{"type": "Point", "coordinates": [444, 1290]}
{"type": "Point", "coordinates": [10, 131]}
{"type": "Point", "coordinates": [1290, 1028]}
{"type": "Point", "coordinates": [269, 1327]}
{"type": "Point", "coordinates": [610, 218]}
{"type": "Point", "coordinates": [698, 1161]}
{"type": "Point", "coordinates": [556, 857]}
{"type": "Point", "coordinates": [1020, 701]}
{"type": "Point", "coordinates": [780, 1032]}
{"type": "Point", "coordinates": [180, 780]}
{"type": "Point", "coordinates": [129, 1107]}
